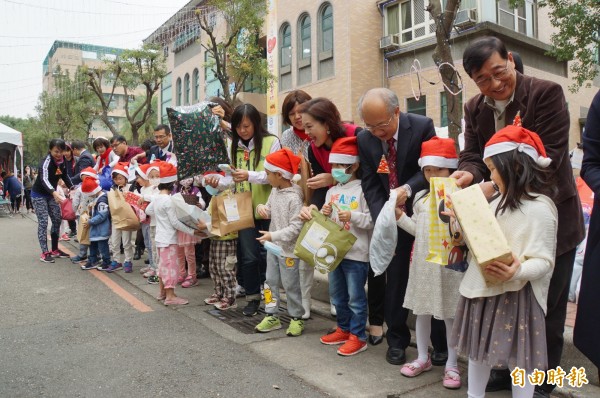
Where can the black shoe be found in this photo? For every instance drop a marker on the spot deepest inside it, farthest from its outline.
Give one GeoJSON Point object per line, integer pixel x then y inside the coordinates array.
{"type": "Point", "coordinates": [540, 393]}
{"type": "Point", "coordinates": [88, 266]}
{"type": "Point", "coordinates": [439, 358]}
{"type": "Point", "coordinates": [138, 254]}
{"type": "Point", "coordinates": [395, 356]}
{"type": "Point", "coordinates": [499, 380]}
{"type": "Point", "coordinates": [375, 340]}
{"type": "Point", "coordinates": [146, 261]}
{"type": "Point", "coordinates": [251, 308]}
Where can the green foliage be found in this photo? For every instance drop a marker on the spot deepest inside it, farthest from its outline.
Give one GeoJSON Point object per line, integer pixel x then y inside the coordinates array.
{"type": "Point", "coordinates": [236, 54]}
{"type": "Point", "coordinates": [35, 139]}
{"type": "Point", "coordinates": [146, 130]}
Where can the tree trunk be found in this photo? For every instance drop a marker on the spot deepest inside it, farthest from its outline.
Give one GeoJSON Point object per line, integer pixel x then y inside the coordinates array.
{"type": "Point", "coordinates": [442, 54]}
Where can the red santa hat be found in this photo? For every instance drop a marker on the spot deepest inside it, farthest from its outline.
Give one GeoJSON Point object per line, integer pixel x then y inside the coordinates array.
{"type": "Point", "coordinates": [90, 172]}
{"type": "Point", "coordinates": [516, 137]}
{"type": "Point", "coordinates": [168, 172]}
{"type": "Point", "coordinates": [344, 151]}
{"type": "Point", "coordinates": [285, 162]}
{"type": "Point", "coordinates": [439, 152]}
{"type": "Point", "coordinates": [121, 168]}
{"type": "Point", "coordinates": [144, 169]}
{"type": "Point", "coordinates": [90, 186]}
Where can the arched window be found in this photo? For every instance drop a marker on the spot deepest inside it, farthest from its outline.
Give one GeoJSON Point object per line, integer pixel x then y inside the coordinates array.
{"type": "Point", "coordinates": [178, 89]}
{"type": "Point", "coordinates": [325, 40]}
{"type": "Point", "coordinates": [304, 37]}
{"type": "Point", "coordinates": [186, 83]}
{"type": "Point", "coordinates": [196, 83]}
{"type": "Point", "coordinates": [286, 45]}
{"type": "Point", "coordinates": [304, 50]}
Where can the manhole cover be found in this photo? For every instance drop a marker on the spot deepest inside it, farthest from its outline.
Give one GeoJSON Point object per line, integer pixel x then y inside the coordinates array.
{"type": "Point", "coordinates": [245, 324]}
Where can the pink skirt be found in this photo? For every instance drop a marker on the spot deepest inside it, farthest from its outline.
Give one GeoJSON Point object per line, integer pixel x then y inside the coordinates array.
{"type": "Point", "coordinates": [184, 239]}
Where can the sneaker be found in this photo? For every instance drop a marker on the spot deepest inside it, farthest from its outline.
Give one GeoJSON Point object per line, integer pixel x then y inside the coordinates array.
{"type": "Point", "coordinates": [226, 304]}
{"type": "Point", "coordinates": [190, 281]}
{"type": "Point", "coordinates": [268, 324]}
{"type": "Point", "coordinates": [153, 280]}
{"type": "Point", "coordinates": [128, 267]}
{"type": "Point", "coordinates": [239, 291]}
{"type": "Point", "coordinates": [143, 270]}
{"type": "Point", "coordinates": [146, 261]}
{"type": "Point", "coordinates": [104, 267]}
{"type": "Point", "coordinates": [64, 237]}
{"type": "Point", "coordinates": [114, 266]}
{"type": "Point", "coordinates": [180, 279]}
{"type": "Point", "coordinates": [88, 266]}
{"type": "Point", "coordinates": [416, 367]}
{"type": "Point", "coordinates": [176, 301]}
{"type": "Point", "coordinates": [352, 347]}
{"type": "Point", "coordinates": [212, 300]}
{"type": "Point", "coordinates": [46, 257]}
{"type": "Point", "coordinates": [78, 259]}
{"type": "Point", "coordinates": [296, 327]}
{"type": "Point", "coordinates": [452, 378]}
{"type": "Point", "coordinates": [149, 273]}
{"type": "Point", "coordinates": [251, 308]}
{"type": "Point", "coordinates": [336, 337]}
{"type": "Point", "coordinates": [59, 253]}
{"type": "Point", "coordinates": [72, 234]}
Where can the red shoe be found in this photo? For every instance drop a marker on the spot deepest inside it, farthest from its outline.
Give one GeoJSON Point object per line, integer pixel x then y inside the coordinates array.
{"type": "Point", "coordinates": [337, 337]}
{"type": "Point", "coordinates": [352, 347]}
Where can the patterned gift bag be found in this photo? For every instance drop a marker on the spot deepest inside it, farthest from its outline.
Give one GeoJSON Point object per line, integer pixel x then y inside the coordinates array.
{"type": "Point", "coordinates": [198, 139]}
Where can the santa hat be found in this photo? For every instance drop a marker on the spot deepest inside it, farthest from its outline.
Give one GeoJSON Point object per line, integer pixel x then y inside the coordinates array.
{"type": "Point", "coordinates": [90, 172]}
{"type": "Point", "coordinates": [439, 152]}
{"type": "Point", "coordinates": [285, 162]}
{"type": "Point", "coordinates": [90, 186]}
{"type": "Point", "coordinates": [168, 172]}
{"type": "Point", "coordinates": [516, 137]}
{"type": "Point", "coordinates": [344, 151]}
{"type": "Point", "coordinates": [121, 168]}
{"type": "Point", "coordinates": [144, 169]}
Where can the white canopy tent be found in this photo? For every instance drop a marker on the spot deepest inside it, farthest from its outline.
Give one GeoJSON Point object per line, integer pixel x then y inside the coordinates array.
{"type": "Point", "coordinates": [11, 141]}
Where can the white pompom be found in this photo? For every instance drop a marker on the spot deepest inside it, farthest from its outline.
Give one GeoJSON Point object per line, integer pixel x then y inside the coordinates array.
{"type": "Point", "coordinates": [329, 259]}
{"type": "Point", "coordinates": [296, 178]}
{"type": "Point", "coordinates": [322, 252]}
{"type": "Point", "coordinates": [543, 162]}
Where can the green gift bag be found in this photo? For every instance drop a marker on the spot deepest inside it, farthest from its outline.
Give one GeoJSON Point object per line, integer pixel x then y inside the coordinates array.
{"type": "Point", "coordinates": [323, 243]}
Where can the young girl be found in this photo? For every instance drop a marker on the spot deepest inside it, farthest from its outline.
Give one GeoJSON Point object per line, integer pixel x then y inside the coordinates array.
{"type": "Point", "coordinates": [503, 324]}
{"type": "Point", "coordinates": [167, 226]}
{"type": "Point", "coordinates": [120, 175]}
{"type": "Point", "coordinates": [432, 289]}
{"type": "Point", "coordinates": [346, 204]}
{"type": "Point", "coordinates": [186, 243]}
{"type": "Point", "coordinates": [147, 192]}
{"type": "Point", "coordinates": [106, 156]}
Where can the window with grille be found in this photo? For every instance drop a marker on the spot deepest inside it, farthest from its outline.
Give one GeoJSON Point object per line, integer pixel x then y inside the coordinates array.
{"type": "Point", "coordinates": [520, 19]}
{"type": "Point", "coordinates": [414, 21]}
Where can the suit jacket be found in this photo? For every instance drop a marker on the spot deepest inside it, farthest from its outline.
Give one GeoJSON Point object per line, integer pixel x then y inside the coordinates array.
{"type": "Point", "coordinates": [155, 150]}
{"type": "Point", "coordinates": [587, 323]}
{"type": "Point", "coordinates": [85, 160]}
{"type": "Point", "coordinates": [543, 110]}
{"type": "Point", "coordinates": [413, 130]}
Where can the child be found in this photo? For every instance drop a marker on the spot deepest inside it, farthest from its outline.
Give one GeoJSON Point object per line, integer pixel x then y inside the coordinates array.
{"type": "Point", "coordinates": [100, 225]}
{"type": "Point", "coordinates": [222, 266]}
{"type": "Point", "coordinates": [120, 175]}
{"type": "Point", "coordinates": [283, 206]}
{"type": "Point", "coordinates": [346, 202]}
{"type": "Point", "coordinates": [147, 192]}
{"type": "Point", "coordinates": [495, 325]}
{"type": "Point", "coordinates": [186, 243]}
{"type": "Point", "coordinates": [432, 289]}
{"type": "Point", "coordinates": [80, 204]}
{"type": "Point", "coordinates": [167, 226]}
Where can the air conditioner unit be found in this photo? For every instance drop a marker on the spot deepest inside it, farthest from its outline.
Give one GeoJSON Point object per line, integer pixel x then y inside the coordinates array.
{"type": "Point", "coordinates": [388, 42]}
{"type": "Point", "coordinates": [466, 18]}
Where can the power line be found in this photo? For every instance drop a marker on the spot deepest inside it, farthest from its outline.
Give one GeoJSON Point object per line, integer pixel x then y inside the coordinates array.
{"type": "Point", "coordinates": [21, 63]}
{"type": "Point", "coordinates": [20, 80]}
{"type": "Point", "coordinates": [137, 5]}
{"type": "Point", "coordinates": [74, 37]}
{"type": "Point", "coordinates": [82, 12]}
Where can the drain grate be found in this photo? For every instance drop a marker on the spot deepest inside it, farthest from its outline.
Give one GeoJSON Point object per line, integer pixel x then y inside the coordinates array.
{"type": "Point", "coordinates": [245, 324]}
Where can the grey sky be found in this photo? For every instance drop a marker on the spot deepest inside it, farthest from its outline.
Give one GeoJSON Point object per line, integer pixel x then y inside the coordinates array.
{"type": "Point", "coordinates": [29, 27]}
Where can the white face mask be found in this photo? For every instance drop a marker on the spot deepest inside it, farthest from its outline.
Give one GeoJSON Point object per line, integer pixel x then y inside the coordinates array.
{"type": "Point", "coordinates": [154, 181]}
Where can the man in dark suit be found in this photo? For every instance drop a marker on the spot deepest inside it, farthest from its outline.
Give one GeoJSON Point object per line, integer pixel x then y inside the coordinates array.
{"type": "Point", "coordinates": [163, 150]}
{"type": "Point", "coordinates": [541, 104]}
{"type": "Point", "coordinates": [84, 159]}
{"type": "Point", "coordinates": [398, 136]}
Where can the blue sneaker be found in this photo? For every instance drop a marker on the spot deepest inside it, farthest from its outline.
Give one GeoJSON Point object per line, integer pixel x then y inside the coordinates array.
{"type": "Point", "coordinates": [128, 267]}
{"type": "Point", "coordinates": [77, 259]}
{"type": "Point", "coordinates": [114, 266]}
{"type": "Point", "coordinates": [103, 267]}
{"type": "Point", "coordinates": [88, 266]}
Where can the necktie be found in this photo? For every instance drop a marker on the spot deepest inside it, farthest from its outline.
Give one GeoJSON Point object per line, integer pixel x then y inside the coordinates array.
{"type": "Point", "coordinates": [391, 159]}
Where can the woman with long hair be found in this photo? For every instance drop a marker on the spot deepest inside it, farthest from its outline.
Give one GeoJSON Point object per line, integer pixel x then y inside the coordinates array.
{"type": "Point", "coordinates": [28, 179]}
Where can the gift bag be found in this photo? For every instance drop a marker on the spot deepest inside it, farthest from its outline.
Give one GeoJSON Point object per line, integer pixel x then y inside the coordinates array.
{"type": "Point", "coordinates": [323, 243]}
{"type": "Point", "coordinates": [140, 210]}
{"type": "Point", "coordinates": [446, 245]}
{"type": "Point", "coordinates": [123, 216]}
{"type": "Point", "coordinates": [198, 139]}
{"type": "Point", "coordinates": [105, 178]}
{"type": "Point", "coordinates": [231, 213]}
{"type": "Point", "coordinates": [385, 237]}
{"type": "Point", "coordinates": [66, 209]}
{"type": "Point", "coordinates": [83, 232]}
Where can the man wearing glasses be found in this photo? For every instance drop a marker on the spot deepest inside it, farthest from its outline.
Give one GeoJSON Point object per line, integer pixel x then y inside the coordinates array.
{"type": "Point", "coordinates": [163, 150]}
{"type": "Point", "coordinates": [126, 152]}
{"type": "Point", "coordinates": [541, 104]}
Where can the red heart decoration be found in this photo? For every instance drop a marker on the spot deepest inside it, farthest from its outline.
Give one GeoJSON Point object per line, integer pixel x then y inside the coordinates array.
{"type": "Point", "coordinates": [271, 44]}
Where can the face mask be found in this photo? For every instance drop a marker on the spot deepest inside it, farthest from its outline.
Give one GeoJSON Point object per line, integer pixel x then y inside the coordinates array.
{"type": "Point", "coordinates": [273, 248]}
{"type": "Point", "coordinates": [154, 181]}
{"type": "Point", "coordinates": [340, 175]}
{"type": "Point", "coordinates": [211, 191]}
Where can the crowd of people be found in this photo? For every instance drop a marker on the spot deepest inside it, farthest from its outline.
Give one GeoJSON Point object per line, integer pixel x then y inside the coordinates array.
{"type": "Point", "coordinates": [517, 167]}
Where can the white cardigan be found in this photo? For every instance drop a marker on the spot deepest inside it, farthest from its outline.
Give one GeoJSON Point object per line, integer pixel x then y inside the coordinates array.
{"type": "Point", "coordinates": [531, 234]}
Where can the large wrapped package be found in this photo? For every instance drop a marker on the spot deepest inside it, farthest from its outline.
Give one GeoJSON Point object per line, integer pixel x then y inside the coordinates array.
{"type": "Point", "coordinates": [198, 139]}
{"type": "Point", "coordinates": [481, 229]}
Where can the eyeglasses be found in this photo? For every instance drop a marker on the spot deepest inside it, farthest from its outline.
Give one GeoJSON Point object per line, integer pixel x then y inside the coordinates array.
{"type": "Point", "coordinates": [486, 81]}
{"type": "Point", "coordinates": [116, 145]}
{"type": "Point", "coordinates": [160, 137]}
{"type": "Point", "coordinates": [378, 126]}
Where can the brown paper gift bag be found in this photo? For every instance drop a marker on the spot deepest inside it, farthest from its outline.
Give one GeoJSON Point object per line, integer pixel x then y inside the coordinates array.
{"type": "Point", "coordinates": [122, 214]}
{"type": "Point", "coordinates": [231, 213]}
{"type": "Point", "coordinates": [83, 233]}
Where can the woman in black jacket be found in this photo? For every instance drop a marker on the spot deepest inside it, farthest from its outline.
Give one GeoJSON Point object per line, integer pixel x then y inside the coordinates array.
{"type": "Point", "coordinates": [46, 201]}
